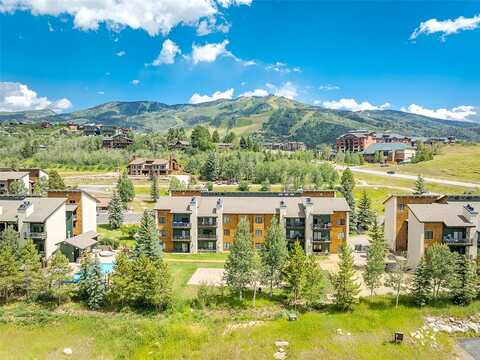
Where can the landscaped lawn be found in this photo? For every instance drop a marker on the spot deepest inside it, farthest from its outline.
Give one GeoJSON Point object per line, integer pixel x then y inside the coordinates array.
{"type": "Point", "coordinates": [29, 332]}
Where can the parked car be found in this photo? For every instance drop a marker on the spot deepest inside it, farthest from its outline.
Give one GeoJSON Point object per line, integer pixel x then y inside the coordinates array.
{"type": "Point", "coordinates": [390, 172]}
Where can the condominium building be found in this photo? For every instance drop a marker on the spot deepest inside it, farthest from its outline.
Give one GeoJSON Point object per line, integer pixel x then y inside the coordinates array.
{"type": "Point", "coordinates": [81, 211]}
{"type": "Point", "coordinates": [153, 167]}
{"type": "Point", "coordinates": [415, 223]}
{"type": "Point", "coordinates": [195, 221]}
{"type": "Point", "coordinates": [355, 141]}
{"type": "Point", "coordinates": [8, 177]}
{"type": "Point", "coordinates": [39, 219]}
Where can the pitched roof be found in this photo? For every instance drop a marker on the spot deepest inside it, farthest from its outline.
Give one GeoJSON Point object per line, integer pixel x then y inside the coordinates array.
{"type": "Point", "coordinates": [43, 208]}
{"type": "Point", "coordinates": [372, 149]}
{"type": "Point", "coordinates": [83, 241]}
{"type": "Point", "coordinates": [452, 215]}
{"type": "Point", "coordinates": [12, 175]}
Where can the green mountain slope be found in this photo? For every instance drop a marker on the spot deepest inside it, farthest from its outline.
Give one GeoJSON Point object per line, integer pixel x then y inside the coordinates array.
{"type": "Point", "coordinates": [275, 118]}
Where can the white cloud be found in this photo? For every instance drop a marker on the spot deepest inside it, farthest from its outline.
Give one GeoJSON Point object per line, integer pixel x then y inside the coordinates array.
{"type": "Point", "coordinates": [256, 92]}
{"type": "Point", "coordinates": [328, 87]}
{"type": "Point", "coordinates": [281, 67]}
{"type": "Point", "coordinates": [459, 113]}
{"type": "Point", "coordinates": [287, 90]}
{"type": "Point", "coordinates": [153, 16]}
{"type": "Point", "coordinates": [210, 25]}
{"type": "Point", "coordinates": [50, 27]}
{"type": "Point", "coordinates": [209, 52]}
{"type": "Point", "coordinates": [353, 105]}
{"type": "Point", "coordinates": [18, 97]}
{"type": "Point", "coordinates": [446, 27]}
{"type": "Point", "coordinates": [167, 54]}
{"type": "Point", "coordinates": [135, 82]}
{"type": "Point", "coordinates": [197, 98]}
{"type": "Point", "coordinates": [121, 53]}
{"type": "Point", "coordinates": [100, 92]}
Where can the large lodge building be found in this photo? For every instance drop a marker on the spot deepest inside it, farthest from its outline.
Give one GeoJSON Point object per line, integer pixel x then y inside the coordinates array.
{"type": "Point", "coordinates": [196, 221]}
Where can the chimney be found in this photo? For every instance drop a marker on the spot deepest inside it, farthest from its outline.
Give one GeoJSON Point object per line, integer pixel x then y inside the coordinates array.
{"type": "Point", "coordinates": [25, 209]}
{"type": "Point", "coordinates": [470, 213]}
{"type": "Point", "coordinates": [219, 204]}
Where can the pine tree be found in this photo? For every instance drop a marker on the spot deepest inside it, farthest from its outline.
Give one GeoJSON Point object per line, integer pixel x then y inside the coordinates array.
{"type": "Point", "coordinates": [154, 190]}
{"type": "Point", "coordinates": [295, 275]}
{"type": "Point", "coordinates": [364, 212]}
{"type": "Point", "coordinates": [115, 212]}
{"type": "Point", "coordinates": [95, 286]}
{"type": "Point", "coordinates": [347, 185]}
{"type": "Point", "coordinates": [9, 273]}
{"type": "Point", "coordinates": [148, 239]}
{"type": "Point", "coordinates": [10, 238]}
{"type": "Point", "coordinates": [56, 278]}
{"type": "Point", "coordinates": [397, 278]}
{"type": "Point", "coordinates": [239, 264]}
{"type": "Point", "coordinates": [210, 170]}
{"type": "Point", "coordinates": [420, 188]}
{"type": "Point", "coordinates": [315, 284]}
{"type": "Point", "coordinates": [375, 267]}
{"type": "Point", "coordinates": [55, 181]}
{"type": "Point", "coordinates": [465, 284]}
{"type": "Point", "coordinates": [345, 288]}
{"type": "Point", "coordinates": [33, 280]}
{"type": "Point", "coordinates": [421, 284]}
{"type": "Point", "coordinates": [274, 255]}
{"type": "Point", "coordinates": [125, 188]}
{"type": "Point", "coordinates": [215, 136]}
{"type": "Point", "coordinates": [120, 280]}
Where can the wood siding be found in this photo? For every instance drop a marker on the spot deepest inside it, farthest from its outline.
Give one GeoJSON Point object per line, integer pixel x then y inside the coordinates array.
{"type": "Point", "coordinates": [167, 227]}
{"type": "Point", "coordinates": [336, 241]}
{"type": "Point", "coordinates": [73, 198]}
{"type": "Point", "coordinates": [234, 219]}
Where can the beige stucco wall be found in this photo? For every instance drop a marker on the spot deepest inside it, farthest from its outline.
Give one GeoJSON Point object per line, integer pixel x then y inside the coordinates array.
{"type": "Point", "coordinates": [390, 222]}
{"type": "Point", "coordinates": [416, 240]}
{"type": "Point", "coordinates": [56, 230]}
{"type": "Point", "coordinates": [89, 213]}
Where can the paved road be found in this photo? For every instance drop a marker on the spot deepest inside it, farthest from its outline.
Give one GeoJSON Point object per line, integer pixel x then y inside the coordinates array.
{"type": "Point", "coordinates": [471, 347]}
{"type": "Point", "coordinates": [409, 177]}
{"type": "Point", "coordinates": [128, 218]}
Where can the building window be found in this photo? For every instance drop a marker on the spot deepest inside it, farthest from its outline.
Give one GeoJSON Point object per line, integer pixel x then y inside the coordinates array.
{"type": "Point", "coordinates": [162, 233]}
{"type": "Point", "coordinates": [226, 246]}
{"type": "Point", "coordinates": [162, 220]}
{"type": "Point", "coordinates": [341, 222]}
{"type": "Point", "coordinates": [226, 232]}
{"type": "Point", "coordinates": [341, 236]}
{"type": "Point", "coordinates": [258, 232]}
{"type": "Point", "coordinates": [258, 220]}
{"type": "Point", "coordinates": [401, 207]}
{"type": "Point", "coordinates": [71, 201]}
{"type": "Point", "coordinates": [258, 246]}
{"type": "Point", "coordinates": [428, 235]}
{"type": "Point", "coordinates": [226, 219]}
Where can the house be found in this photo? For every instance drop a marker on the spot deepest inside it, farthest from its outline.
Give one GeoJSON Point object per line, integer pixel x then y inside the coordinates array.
{"type": "Point", "coordinates": [45, 125]}
{"type": "Point", "coordinates": [94, 129]}
{"type": "Point", "coordinates": [8, 177]}
{"type": "Point", "coordinates": [355, 141]}
{"type": "Point", "coordinates": [287, 146]}
{"type": "Point", "coordinates": [196, 221]}
{"type": "Point", "coordinates": [39, 219]}
{"type": "Point", "coordinates": [391, 152]}
{"type": "Point", "coordinates": [455, 224]}
{"type": "Point", "coordinates": [80, 211]}
{"type": "Point", "coordinates": [224, 146]}
{"type": "Point", "coordinates": [179, 145]}
{"type": "Point", "coordinates": [35, 175]}
{"type": "Point", "coordinates": [108, 130]}
{"type": "Point", "coordinates": [117, 142]}
{"type": "Point", "coordinates": [389, 137]}
{"type": "Point", "coordinates": [91, 130]}
{"type": "Point", "coordinates": [103, 203]}
{"type": "Point", "coordinates": [153, 167]}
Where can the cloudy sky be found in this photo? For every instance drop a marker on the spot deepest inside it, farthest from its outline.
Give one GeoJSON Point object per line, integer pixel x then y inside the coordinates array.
{"type": "Point", "coordinates": [421, 57]}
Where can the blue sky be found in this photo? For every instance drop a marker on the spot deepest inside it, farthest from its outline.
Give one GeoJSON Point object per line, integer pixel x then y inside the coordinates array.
{"type": "Point", "coordinates": [422, 57]}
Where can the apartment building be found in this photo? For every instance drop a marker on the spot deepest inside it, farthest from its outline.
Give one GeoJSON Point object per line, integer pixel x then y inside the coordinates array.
{"type": "Point", "coordinates": [8, 177]}
{"type": "Point", "coordinates": [355, 141]}
{"type": "Point", "coordinates": [152, 167]}
{"type": "Point", "coordinates": [415, 223]}
{"type": "Point", "coordinates": [390, 152]}
{"type": "Point", "coordinates": [39, 219]}
{"type": "Point", "coordinates": [118, 141]}
{"type": "Point", "coordinates": [196, 221]}
{"type": "Point", "coordinates": [80, 211]}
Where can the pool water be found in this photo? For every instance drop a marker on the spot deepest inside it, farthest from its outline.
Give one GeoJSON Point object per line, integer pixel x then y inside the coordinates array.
{"type": "Point", "coordinates": [106, 268]}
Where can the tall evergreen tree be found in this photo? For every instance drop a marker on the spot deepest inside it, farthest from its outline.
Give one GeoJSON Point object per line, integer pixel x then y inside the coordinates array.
{"type": "Point", "coordinates": [420, 188]}
{"type": "Point", "coordinates": [315, 283]}
{"type": "Point", "coordinates": [125, 188]}
{"type": "Point", "coordinates": [55, 181]}
{"type": "Point", "coordinates": [57, 277]}
{"type": "Point", "coordinates": [239, 264]}
{"type": "Point", "coordinates": [295, 275]}
{"type": "Point", "coordinates": [364, 212]}
{"type": "Point", "coordinates": [148, 242]}
{"type": "Point", "coordinates": [154, 190]}
{"type": "Point", "coordinates": [9, 273]}
{"type": "Point", "coordinates": [347, 185]}
{"type": "Point", "coordinates": [375, 267]}
{"type": "Point", "coordinates": [115, 212]}
{"type": "Point", "coordinates": [345, 288]}
{"type": "Point", "coordinates": [92, 286]}
{"type": "Point", "coordinates": [120, 280]}
{"type": "Point", "coordinates": [10, 238]}
{"type": "Point", "coordinates": [421, 284]}
{"type": "Point", "coordinates": [465, 283]}
{"type": "Point", "coordinates": [274, 255]}
{"type": "Point", "coordinates": [33, 280]}
{"type": "Point", "coordinates": [211, 167]}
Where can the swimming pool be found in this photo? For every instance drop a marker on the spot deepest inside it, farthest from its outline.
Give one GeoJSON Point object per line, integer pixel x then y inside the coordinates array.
{"type": "Point", "coordinates": [106, 268]}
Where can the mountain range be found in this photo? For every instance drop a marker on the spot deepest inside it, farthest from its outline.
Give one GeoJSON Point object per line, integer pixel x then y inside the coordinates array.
{"type": "Point", "coordinates": [274, 118]}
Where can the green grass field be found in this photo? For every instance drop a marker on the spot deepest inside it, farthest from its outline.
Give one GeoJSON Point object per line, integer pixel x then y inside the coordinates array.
{"type": "Point", "coordinates": [455, 162]}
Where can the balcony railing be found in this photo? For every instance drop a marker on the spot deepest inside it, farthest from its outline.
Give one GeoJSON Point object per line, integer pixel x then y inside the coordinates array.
{"type": "Point", "coordinates": [37, 235]}
{"type": "Point", "coordinates": [181, 224]}
{"type": "Point", "coordinates": [324, 240]}
{"type": "Point", "coordinates": [458, 241]}
{"type": "Point", "coordinates": [322, 226]}
{"type": "Point", "coordinates": [181, 237]}
{"type": "Point", "coordinates": [294, 224]}
{"type": "Point", "coordinates": [207, 223]}
{"type": "Point", "coordinates": [207, 236]}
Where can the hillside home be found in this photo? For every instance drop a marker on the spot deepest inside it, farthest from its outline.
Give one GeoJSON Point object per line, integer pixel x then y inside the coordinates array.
{"type": "Point", "coordinates": [286, 146]}
{"type": "Point", "coordinates": [390, 152]}
{"type": "Point", "coordinates": [195, 221]}
{"type": "Point", "coordinates": [35, 175]}
{"type": "Point", "coordinates": [39, 219]}
{"type": "Point", "coordinates": [355, 141]}
{"type": "Point", "coordinates": [179, 145]}
{"type": "Point", "coordinates": [80, 211]}
{"type": "Point", "coordinates": [117, 142]}
{"type": "Point", "coordinates": [8, 177]}
{"type": "Point", "coordinates": [153, 167]}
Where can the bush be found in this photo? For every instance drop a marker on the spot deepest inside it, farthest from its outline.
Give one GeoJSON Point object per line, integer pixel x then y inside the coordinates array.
{"type": "Point", "coordinates": [206, 295]}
